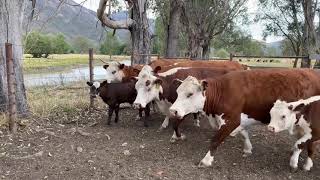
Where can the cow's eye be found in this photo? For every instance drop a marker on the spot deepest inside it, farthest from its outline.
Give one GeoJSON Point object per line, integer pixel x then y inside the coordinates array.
{"type": "Point", "coordinates": [113, 72]}
{"type": "Point", "coordinates": [283, 117]}
{"type": "Point", "coordinates": [189, 95]}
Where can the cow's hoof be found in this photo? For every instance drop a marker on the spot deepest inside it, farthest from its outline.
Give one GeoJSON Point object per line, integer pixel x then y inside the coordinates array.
{"type": "Point", "coordinates": [203, 165]}
{"type": "Point", "coordinates": [293, 169]}
{"type": "Point", "coordinates": [246, 154]}
{"type": "Point", "coordinates": [175, 138]}
{"type": "Point", "coordinates": [160, 129]}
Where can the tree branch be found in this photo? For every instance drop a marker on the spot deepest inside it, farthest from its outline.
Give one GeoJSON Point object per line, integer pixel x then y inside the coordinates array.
{"type": "Point", "coordinates": [121, 24]}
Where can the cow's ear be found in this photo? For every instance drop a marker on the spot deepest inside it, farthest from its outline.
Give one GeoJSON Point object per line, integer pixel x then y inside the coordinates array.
{"type": "Point", "coordinates": [89, 83]}
{"type": "Point", "coordinates": [204, 84]}
{"type": "Point", "coordinates": [300, 108]}
{"type": "Point", "coordinates": [148, 82]}
{"type": "Point", "coordinates": [177, 82]}
{"type": "Point", "coordinates": [158, 82]}
{"type": "Point", "coordinates": [136, 71]}
{"type": "Point", "coordinates": [157, 69]}
{"type": "Point", "coordinates": [105, 66]}
{"type": "Point", "coordinates": [121, 66]}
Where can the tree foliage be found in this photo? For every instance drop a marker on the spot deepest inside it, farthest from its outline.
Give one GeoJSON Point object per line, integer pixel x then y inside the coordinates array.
{"type": "Point", "coordinates": [38, 44]}
{"type": "Point", "coordinates": [111, 45]}
{"type": "Point", "coordinates": [81, 45]}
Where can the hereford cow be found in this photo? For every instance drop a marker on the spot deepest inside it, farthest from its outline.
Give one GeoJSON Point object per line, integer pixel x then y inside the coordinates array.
{"type": "Point", "coordinates": [162, 88]}
{"type": "Point", "coordinates": [114, 94]}
{"type": "Point", "coordinates": [300, 118]}
{"type": "Point", "coordinates": [116, 71]}
{"type": "Point", "coordinates": [249, 92]}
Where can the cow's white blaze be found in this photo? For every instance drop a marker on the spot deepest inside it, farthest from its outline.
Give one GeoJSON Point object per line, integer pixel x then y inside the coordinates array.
{"type": "Point", "coordinates": [96, 84]}
{"type": "Point", "coordinates": [190, 99]}
{"type": "Point", "coordinates": [282, 118]}
{"type": "Point", "coordinates": [114, 73]}
{"type": "Point", "coordinates": [172, 71]}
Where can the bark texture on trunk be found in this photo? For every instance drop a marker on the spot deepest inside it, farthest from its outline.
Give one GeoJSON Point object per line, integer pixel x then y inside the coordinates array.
{"type": "Point", "coordinates": [140, 35]}
{"type": "Point", "coordinates": [11, 17]}
{"type": "Point", "coordinates": [173, 28]}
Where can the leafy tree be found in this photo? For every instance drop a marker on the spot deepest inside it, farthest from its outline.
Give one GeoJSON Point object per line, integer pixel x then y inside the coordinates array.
{"type": "Point", "coordinates": [37, 44]}
{"type": "Point", "coordinates": [111, 45]}
{"type": "Point", "coordinates": [81, 45]}
{"type": "Point", "coordinates": [221, 53]}
{"type": "Point", "coordinates": [59, 45]}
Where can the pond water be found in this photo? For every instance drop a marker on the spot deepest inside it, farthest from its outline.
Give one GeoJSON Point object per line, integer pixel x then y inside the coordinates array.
{"type": "Point", "coordinates": [61, 78]}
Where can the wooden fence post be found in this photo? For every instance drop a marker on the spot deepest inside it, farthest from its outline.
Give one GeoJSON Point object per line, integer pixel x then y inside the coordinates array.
{"type": "Point", "coordinates": [11, 89]}
{"type": "Point", "coordinates": [91, 74]}
{"type": "Point", "coordinates": [231, 56]}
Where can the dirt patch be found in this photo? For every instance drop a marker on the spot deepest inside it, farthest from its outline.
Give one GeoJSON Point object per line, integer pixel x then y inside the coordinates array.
{"type": "Point", "coordinates": [48, 149]}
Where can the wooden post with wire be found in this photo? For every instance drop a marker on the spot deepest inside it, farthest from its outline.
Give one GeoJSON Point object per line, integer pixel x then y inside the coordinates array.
{"type": "Point", "coordinates": [12, 108]}
{"type": "Point", "coordinates": [91, 75]}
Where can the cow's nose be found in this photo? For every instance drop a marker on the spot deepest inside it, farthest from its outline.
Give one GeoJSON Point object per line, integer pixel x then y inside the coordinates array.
{"type": "Point", "coordinates": [173, 112]}
{"type": "Point", "coordinates": [271, 129]}
{"type": "Point", "coordinates": [136, 106]}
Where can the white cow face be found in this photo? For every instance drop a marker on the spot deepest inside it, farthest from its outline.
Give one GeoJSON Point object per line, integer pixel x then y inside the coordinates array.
{"type": "Point", "coordinates": [191, 97]}
{"type": "Point", "coordinates": [94, 88]}
{"type": "Point", "coordinates": [148, 89]}
{"type": "Point", "coordinates": [283, 116]}
{"type": "Point", "coordinates": [114, 72]}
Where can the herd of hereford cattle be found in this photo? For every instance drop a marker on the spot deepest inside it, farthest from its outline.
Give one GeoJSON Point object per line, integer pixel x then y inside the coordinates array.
{"type": "Point", "coordinates": [226, 93]}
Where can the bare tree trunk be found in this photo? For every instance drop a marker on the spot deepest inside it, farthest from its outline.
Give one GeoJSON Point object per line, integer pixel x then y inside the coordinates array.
{"type": "Point", "coordinates": [11, 17]}
{"type": "Point", "coordinates": [206, 49]}
{"type": "Point", "coordinates": [309, 38]}
{"type": "Point", "coordinates": [194, 46]}
{"type": "Point", "coordinates": [140, 35]}
{"type": "Point", "coordinates": [173, 28]}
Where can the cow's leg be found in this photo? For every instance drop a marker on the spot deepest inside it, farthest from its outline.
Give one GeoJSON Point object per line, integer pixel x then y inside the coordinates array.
{"type": "Point", "coordinates": [117, 108]}
{"type": "Point", "coordinates": [110, 112]}
{"type": "Point", "coordinates": [311, 150]}
{"type": "Point", "coordinates": [165, 123]}
{"type": "Point", "coordinates": [154, 107]}
{"type": "Point", "coordinates": [177, 135]}
{"type": "Point", "coordinates": [247, 149]}
{"type": "Point", "coordinates": [223, 132]}
{"type": "Point", "coordinates": [196, 119]}
{"type": "Point", "coordinates": [297, 149]}
{"type": "Point", "coordinates": [147, 115]}
{"type": "Point", "coordinates": [140, 114]}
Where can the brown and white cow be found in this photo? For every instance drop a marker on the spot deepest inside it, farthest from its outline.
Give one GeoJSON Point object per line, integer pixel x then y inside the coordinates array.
{"type": "Point", "coordinates": [300, 118]}
{"type": "Point", "coordinates": [249, 92]}
{"type": "Point", "coordinates": [116, 71]}
{"type": "Point", "coordinates": [162, 88]}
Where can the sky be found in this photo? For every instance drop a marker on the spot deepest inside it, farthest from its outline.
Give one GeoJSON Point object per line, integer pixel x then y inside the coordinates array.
{"type": "Point", "coordinates": [255, 29]}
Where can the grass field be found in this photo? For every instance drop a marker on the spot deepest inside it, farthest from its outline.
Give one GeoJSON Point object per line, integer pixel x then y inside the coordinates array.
{"type": "Point", "coordinates": [61, 62]}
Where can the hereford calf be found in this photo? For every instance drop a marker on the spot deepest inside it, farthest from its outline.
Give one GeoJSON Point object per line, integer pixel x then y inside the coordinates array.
{"type": "Point", "coordinates": [302, 119]}
{"type": "Point", "coordinates": [162, 88]}
{"type": "Point", "coordinates": [114, 94]}
{"type": "Point", "coordinates": [249, 92]}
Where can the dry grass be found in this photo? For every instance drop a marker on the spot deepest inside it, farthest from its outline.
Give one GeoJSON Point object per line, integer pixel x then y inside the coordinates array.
{"type": "Point", "coordinates": [51, 101]}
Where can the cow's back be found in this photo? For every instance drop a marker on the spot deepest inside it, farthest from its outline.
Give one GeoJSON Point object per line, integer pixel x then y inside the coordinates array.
{"type": "Point", "coordinates": [257, 90]}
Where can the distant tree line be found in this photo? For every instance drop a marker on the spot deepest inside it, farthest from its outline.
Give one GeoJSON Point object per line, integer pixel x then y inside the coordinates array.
{"type": "Point", "coordinates": [42, 45]}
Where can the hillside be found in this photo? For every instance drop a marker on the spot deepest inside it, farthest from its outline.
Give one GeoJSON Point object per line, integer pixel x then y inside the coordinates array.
{"type": "Point", "coordinates": [72, 21]}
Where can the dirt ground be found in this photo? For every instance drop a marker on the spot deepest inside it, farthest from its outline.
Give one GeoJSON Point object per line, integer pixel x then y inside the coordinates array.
{"type": "Point", "coordinates": [51, 149]}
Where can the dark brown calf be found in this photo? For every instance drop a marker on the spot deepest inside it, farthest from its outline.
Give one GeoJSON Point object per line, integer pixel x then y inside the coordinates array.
{"type": "Point", "coordinates": [114, 94]}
